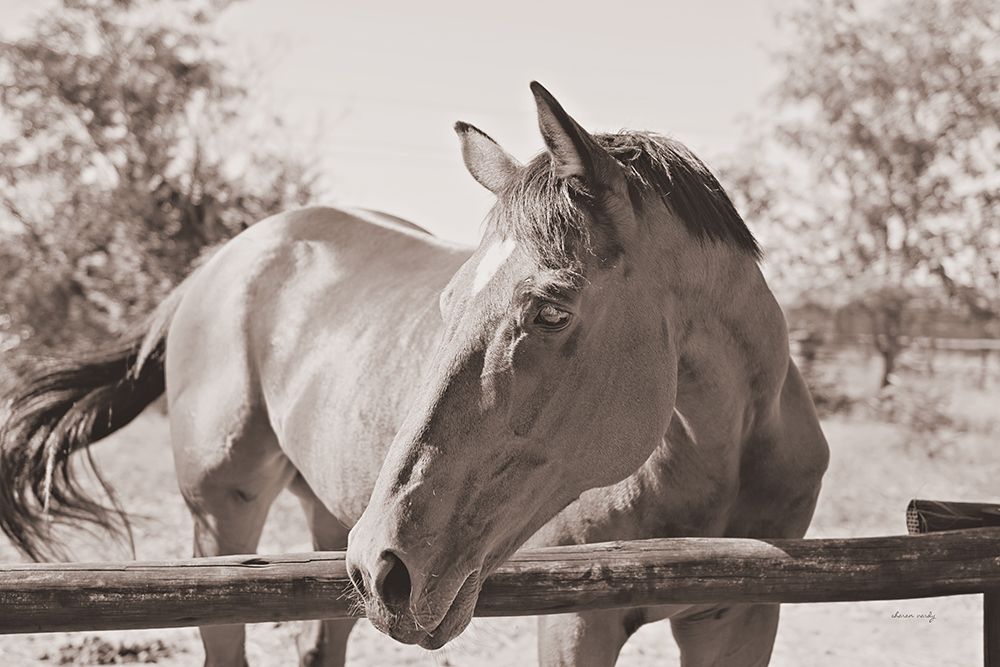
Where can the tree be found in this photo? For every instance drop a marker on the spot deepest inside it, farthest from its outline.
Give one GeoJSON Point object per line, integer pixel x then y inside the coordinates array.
{"type": "Point", "coordinates": [888, 129]}
{"type": "Point", "coordinates": [127, 151]}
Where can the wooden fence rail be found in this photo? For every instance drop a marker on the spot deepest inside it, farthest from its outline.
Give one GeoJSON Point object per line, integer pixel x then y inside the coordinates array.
{"type": "Point", "coordinates": [251, 589]}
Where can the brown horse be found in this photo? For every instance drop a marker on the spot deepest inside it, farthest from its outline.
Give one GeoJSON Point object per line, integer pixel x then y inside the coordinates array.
{"type": "Point", "coordinates": [608, 364]}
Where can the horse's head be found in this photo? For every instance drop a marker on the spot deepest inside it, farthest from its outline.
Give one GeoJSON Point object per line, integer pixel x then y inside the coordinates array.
{"type": "Point", "coordinates": [555, 373]}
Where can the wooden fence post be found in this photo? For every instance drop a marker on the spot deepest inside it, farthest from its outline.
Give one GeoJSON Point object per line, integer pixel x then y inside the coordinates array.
{"type": "Point", "coordinates": [928, 516]}
{"type": "Point", "coordinates": [991, 628]}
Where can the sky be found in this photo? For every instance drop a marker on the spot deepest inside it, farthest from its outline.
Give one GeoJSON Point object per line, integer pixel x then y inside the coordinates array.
{"type": "Point", "coordinates": [373, 88]}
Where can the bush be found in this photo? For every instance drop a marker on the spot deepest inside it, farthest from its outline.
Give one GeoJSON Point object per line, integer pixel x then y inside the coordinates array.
{"type": "Point", "coordinates": [922, 411]}
{"type": "Point", "coordinates": [97, 651]}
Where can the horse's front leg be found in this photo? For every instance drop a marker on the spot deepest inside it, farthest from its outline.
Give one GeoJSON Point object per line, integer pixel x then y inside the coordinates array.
{"type": "Point", "coordinates": [590, 639]}
{"type": "Point", "coordinates": [737, 636]}
{"type": "Point", "coordinates": [322, 643]}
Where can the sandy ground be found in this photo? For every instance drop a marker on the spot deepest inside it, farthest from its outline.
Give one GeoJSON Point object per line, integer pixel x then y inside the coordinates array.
{"type": "Point", "coordinates": [874, 471]}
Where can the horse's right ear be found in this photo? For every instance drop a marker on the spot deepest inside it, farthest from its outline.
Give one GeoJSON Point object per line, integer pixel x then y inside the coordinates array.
{"type": "Point", "coordinates": [489, 164]}
{"type": "Point", "coordinates": [575, 153]}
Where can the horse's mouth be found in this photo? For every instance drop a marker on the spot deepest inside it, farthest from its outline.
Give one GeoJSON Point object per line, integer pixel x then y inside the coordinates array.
{"type": "Point", "coordinates": [408, 630]}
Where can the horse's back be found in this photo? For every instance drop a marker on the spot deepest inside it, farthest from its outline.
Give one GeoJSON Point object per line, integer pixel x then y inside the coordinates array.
{"type": "Point", "coordinates": [308, 269]}
{"type": "Point", "coordinates": [317, 321]}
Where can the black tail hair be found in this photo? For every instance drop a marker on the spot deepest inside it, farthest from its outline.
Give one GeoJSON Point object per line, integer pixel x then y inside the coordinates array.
{"type": "Point", "coordinates": [62, 407]}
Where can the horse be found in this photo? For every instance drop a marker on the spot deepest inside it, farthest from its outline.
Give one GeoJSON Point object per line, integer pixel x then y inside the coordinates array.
{"type": "Point", "coordinates": [608, 364]}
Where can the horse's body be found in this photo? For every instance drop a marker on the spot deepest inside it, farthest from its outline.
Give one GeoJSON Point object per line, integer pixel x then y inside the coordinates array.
{"type": "Point", "coordinates": [295, 357]}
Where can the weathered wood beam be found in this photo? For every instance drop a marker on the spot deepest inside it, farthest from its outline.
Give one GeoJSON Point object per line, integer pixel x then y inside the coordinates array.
{"type": "Point", "coordinates": [252, 589]}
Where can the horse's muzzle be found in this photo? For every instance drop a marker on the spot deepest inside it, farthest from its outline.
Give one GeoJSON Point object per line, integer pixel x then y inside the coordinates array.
{"type": "Point", "coordinates": [427, 606]}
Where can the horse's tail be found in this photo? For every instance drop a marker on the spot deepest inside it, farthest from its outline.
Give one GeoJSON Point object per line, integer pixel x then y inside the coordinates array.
{"type": "Point", "coordinates": [63, 406]}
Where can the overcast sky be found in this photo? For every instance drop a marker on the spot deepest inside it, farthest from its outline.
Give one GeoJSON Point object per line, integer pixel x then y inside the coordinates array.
{"type": "Point", "coordinates": [385, 81]}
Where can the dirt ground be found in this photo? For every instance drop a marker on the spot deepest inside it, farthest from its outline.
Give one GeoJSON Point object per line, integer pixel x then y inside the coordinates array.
{"type": "Point", "coordinates": [875, 469]}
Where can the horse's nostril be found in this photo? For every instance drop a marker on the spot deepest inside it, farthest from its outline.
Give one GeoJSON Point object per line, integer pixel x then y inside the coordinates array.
{"type": "Point", "coordinates": [394, 585]}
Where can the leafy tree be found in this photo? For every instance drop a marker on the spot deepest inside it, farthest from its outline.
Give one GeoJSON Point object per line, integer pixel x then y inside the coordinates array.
{"type": "Point", "coordinates": [127, 150]}
{"type": "Point", "coordinates": [886, 139]}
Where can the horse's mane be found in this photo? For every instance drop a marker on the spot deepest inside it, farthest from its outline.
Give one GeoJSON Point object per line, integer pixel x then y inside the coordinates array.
{"type": "Point", "coordinates": [544, 212]}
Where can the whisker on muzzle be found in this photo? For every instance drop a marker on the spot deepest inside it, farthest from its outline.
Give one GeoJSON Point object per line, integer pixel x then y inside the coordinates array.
{"type": "Point", "coordinates": [427, 612]}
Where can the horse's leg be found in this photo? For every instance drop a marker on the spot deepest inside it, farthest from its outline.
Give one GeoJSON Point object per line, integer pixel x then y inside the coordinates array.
{"type": "Point", "coordinates": [322, 643]}
{"type": "Point", "coordinates": [229, 486]}
{"type": "Point", "coordinates": [737, 636]}
{"type": "Point", "coordinates": [590, 639]}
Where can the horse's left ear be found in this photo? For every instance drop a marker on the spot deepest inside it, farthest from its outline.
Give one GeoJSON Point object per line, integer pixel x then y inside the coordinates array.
{"type": "Point", "coordinates": [575, 153]}
{"type": "Point", "coordinates": [489, 164]}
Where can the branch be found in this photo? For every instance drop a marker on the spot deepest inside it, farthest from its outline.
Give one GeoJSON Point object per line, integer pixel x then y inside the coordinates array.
{"type": "Point", "coordinates": [28, 226]}
{"type": "Point", "coordinates": [970, 297]}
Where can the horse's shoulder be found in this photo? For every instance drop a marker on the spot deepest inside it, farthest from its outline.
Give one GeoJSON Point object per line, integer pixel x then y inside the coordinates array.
{"type": "Point", "coordinates": [795, 426]}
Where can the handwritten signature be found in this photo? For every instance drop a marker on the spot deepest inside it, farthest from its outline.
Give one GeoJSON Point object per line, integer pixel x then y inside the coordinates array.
{"type": "Point", "coordinates": [929, 616]}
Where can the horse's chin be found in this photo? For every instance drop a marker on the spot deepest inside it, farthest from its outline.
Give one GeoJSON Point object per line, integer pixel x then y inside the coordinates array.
{"type": "Point", "coordinates": [457, 618]}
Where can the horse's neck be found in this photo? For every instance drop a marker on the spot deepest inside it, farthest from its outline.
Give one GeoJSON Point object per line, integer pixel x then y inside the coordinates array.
{"type": "Point", "coordinates": [733, 350]}
{"type": "Point", "coordinates": [731, 341]}
{"type": "Point", "coordinates": [732, 347]}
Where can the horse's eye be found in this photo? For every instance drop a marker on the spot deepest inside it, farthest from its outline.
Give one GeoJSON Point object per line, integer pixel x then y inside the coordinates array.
{"type": "Point", "coordinates": [551, 317]}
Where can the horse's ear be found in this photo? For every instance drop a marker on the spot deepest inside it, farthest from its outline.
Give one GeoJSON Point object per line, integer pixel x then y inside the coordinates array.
{"type": "Point", "coordinates": [489, 164]}
{"type": "Point", "coordinates": [574, 152]}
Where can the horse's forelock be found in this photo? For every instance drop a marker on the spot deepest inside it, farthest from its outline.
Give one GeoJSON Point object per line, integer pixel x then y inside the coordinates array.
{"type": "Point", "coordinates": [544, 214]}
